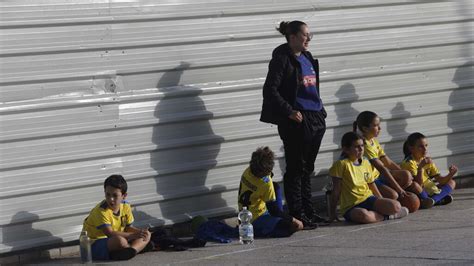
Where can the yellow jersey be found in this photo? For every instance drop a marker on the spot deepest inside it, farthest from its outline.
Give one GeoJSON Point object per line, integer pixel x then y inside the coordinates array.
{"type": "Point", "coordinates": [429, 172]}
{"type": "Point", "coordinates": [354, 181]}
{"type": "Point", "coordinates": [372, 149]}
{"type": "Point", "coordinates": [254, 192]}
{"type": "Point", "coordinates": [101, 216]}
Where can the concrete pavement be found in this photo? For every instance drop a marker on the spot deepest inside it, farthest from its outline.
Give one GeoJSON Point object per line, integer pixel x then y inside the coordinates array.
{"type": "Point", "coordinates": [441, 235]}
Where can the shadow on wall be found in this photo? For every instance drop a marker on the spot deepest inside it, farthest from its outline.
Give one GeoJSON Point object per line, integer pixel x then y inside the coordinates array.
{"type": "Point", "coordinates": [143, 219]}
{"type": "Point", "coordinates": [461, 96]}
{"type": "Point", "coordinates": [21, 235]}
{"type": "Point", "coordinates": [398, 129]}
{"type": "Point", "coordinates": [187, 147]}
{"type": "Point", "coordinates": [345, 114]}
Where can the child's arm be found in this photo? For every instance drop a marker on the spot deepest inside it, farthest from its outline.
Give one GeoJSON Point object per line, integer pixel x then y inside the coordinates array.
{"type": "Point", "coordinates": [453, 169]}
{"type": "Point", "coordinates": [389, 163]}
{"type": "Point", "coordinates": [375, 190]}
{"type": "Point", "coordinates": [378, 164]}
{"type": "Point", "coordinates": [130, 232]}
{"type": "Point", "coordinates": [336, 191]}
{"type": "Point", "coordinates": [137, 232]}
{"type": "Point", "coordinates": [419, 171]}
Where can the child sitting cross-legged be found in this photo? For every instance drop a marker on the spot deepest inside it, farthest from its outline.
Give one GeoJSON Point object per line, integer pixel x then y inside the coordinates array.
{"type": "Point", "coordinates": [109, 225]}
{"type": "Point", "coordinates": [425, 172]}
{"type": "Point", "coordinates": [353, 182]}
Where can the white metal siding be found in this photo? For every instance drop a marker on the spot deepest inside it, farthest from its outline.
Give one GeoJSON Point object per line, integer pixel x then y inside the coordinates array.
{"type": "Point", "coordinates": [168, 94]}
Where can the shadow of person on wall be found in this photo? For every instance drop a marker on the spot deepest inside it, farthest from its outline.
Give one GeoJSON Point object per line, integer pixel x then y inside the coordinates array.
{"type": "Point", "coordinates": [144, 220]}
{"type": "Point", "coordinates": [20, 234]}
{"type": "Point", "coordinates": [459, 118]}
{"type": "Point", "coordinates": [186, 147]}
{"type": "Point", "coordinates": [397, 129]}
{"type": "Point", "coordinates": [345, 114]}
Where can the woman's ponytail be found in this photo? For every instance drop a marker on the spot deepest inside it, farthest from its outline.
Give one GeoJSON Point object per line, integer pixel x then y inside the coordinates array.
{"type": "Point", "coordinates": [290, 28]}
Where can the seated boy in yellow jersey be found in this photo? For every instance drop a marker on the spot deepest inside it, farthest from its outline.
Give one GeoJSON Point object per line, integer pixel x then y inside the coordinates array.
{"type": "Point", "coordinates": [424, 170]}
{"type": "Point", "coordinates": [263, 198]}
{"type": "Point", "coordinates": [109, 225]}
{"type": "Point", "coordinates": [353, 181]}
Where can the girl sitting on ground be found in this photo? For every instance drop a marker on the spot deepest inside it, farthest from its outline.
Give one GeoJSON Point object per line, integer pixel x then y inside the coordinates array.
{"type": "Point", "coordinates": [353, 182]}
{"type": "Point", "coordinates": [393, 180]}
{"type": "Point", "coordinates": [425, 171]}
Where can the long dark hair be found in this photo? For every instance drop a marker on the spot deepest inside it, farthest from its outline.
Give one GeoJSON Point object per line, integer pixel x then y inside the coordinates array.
{"type": "Point", "coordinates": [364, 119]}
{"type": "Point", "coordinates": [287, 28]}
{"type": "Point", "coordinates": [411, 141]}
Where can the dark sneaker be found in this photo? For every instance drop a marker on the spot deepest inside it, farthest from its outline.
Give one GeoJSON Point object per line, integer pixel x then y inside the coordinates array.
{"type": "Point", "coordinates": [426, 203]}
{"type": "Point", "coordinates": [149, 247]}
{"type": "Point", "coordinates": [319, 220]}
{"type": "Point", "coordinates": [446, 200]}
{"type": "Point", "coordinates": [307, 223]}
{"type": "Point", "coordinates": [123, 254]}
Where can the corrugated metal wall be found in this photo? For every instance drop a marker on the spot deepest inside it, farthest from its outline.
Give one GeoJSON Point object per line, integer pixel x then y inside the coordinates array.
{"type": "Point", "coordinates": [168, 94]}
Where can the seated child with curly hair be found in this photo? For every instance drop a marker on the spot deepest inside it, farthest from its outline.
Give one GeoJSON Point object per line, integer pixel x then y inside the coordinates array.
{"type": "Point", "coordinates": [263, 198]}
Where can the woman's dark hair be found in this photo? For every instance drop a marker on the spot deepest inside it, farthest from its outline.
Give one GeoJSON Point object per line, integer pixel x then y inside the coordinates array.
{"type": "Point", "coordinates": [411, 141]}
{"type": "Point", "coordinates": [287, 28]}
{"type": "Point", "coordinates": [364, 119]}
{"type": "Point", "coordinates": [262, 162]}
{"type": "Point", "coordinates": [116, 181]}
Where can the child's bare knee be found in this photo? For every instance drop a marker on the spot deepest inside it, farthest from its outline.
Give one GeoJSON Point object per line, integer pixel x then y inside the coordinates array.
{"type": "Point", "coordinates": [361, 216]}
{"type": "Point", "coordinates": [392, 194]}
{"type": "Point", "coordinates": [405, 179]}
{"type": "Point", "coordinates": [118, 242]}
{"type": "Point", "coordinates": [452, 183]}
{"type": "Point", "coordinates": [415, 188]}
{"type": "Point", "coordinates": [396, 206]}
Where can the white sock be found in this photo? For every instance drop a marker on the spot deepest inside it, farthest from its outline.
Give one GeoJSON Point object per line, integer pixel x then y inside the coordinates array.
{"type": "Point", "coordinates": [402, 213]}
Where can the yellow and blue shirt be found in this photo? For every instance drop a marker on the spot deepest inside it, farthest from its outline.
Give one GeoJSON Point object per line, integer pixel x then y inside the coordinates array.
{"type": "Point", "coordinates": [254, 192]}
{"type": "Point", "coordinates": [373, 149]}
{"type": "Point", "coordinates": [354, 181]}
{"type": "Point", "coordinates": [429, 171]}
{"type": "Point", "coordinates": [102, 216]}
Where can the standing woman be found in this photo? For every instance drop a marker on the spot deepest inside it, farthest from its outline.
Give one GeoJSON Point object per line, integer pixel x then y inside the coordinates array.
{"type": "Point", "coordinates": [291, 100]}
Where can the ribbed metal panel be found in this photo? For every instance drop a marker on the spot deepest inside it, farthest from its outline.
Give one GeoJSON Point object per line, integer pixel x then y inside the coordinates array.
{"type": "Point", "coordinates": [168, 94]}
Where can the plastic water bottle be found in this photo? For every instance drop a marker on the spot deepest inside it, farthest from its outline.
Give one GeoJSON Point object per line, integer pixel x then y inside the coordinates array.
{"type": "Point", "coordinates": [85, 248]}
{"type": "Point", "coordinates": [245, 227]}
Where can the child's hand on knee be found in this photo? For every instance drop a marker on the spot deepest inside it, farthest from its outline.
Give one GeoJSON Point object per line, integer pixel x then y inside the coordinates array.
{"type": "Point", "coordinates": [145, 235]}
